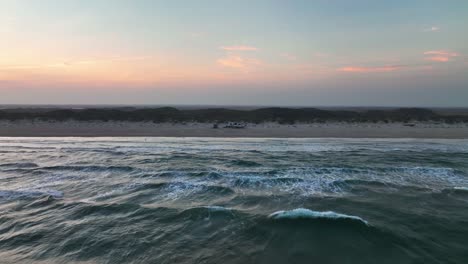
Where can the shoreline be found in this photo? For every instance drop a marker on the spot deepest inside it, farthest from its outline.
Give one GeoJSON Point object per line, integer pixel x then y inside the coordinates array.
{"type": "Point", "coordinates": [29, 128]}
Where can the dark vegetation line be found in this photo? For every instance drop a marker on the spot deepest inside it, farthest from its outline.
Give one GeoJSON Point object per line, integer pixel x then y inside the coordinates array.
{"type": "Point", "coordinates": [275, 114]}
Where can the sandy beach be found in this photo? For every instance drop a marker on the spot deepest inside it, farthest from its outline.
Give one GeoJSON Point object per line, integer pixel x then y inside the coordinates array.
{"type": "Point", "coordinates": [316, 130]}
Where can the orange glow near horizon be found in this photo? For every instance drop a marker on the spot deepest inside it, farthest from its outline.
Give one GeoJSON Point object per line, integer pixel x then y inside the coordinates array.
{"type": "Point", "coordinates": [229, 64]}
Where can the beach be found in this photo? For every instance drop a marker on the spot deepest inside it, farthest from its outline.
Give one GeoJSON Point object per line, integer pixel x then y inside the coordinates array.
{"type": "Point", "coordinates": [29, 128]}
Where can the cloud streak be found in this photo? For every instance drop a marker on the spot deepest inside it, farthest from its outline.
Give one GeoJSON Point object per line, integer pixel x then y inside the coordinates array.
{"type": "Point", "coordinates": [238, 62]}
{"type": "Point", "coordinates": [239, 48]}
{"type": "Point", "coordinates": [359, 69]}
{"type": "Point", "coordinates": [288, 56]}
{"type": "Point", "coordinates": [70, 63]}
{"type": "Point", "coordinates": [440, 55]}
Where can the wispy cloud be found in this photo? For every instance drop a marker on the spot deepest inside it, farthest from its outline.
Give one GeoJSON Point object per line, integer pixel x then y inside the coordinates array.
{"type": "Point", "coordinates": [32, 66]}
{"type": "Point", "coordinates": [69, 63]}
{"type": "Point", "coordinates": [288, 56]}
{"type": "Point", "coordinates": [238, 62]}
{"type": "Point", "coordinates": [432, 29]}
{"type": "Point", "coordinates": [359, 69]}
{"type": "Point", "coordinates": [440, 55]}
{"type": "Point", "coordinates": [438, 58]}
{"type": "Point", "coordinates": [239, 48]}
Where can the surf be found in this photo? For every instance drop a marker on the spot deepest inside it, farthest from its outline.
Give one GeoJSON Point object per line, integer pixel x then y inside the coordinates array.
{"type": "Point", "coordinates": [303, 213]}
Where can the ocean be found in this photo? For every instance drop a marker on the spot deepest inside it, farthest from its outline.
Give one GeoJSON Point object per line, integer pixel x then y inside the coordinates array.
{"type": "Point", "coordinates": [232, 200]}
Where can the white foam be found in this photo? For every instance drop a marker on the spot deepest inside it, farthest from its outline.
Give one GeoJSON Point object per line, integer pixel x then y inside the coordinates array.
{"type": "Point", "coordinates": [307, 213]}
{"type": "Point", "coordinates": [215, 208]}
{"type": "Point", "coordinates": [461, 188]}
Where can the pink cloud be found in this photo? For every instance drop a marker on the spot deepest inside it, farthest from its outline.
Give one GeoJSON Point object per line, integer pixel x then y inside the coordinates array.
{"type": "Point", "coordinates": [239, 48]}
{"type": "Point", "coordinates": [358, 69]}
{"type": "Point", "coordinates": [440, 55]}
{"type": "Point", "coordinates": [438, 59]}
{"type": "Point", "coordinates": [238, 62]}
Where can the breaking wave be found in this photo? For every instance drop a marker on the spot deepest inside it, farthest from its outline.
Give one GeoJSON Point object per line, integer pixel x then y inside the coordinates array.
{"type": "Point", "coordinates": [302, 213]}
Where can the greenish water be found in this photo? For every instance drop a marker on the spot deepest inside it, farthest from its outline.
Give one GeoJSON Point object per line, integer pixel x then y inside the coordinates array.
{"type": "Point", "coordinates": [206, 200]}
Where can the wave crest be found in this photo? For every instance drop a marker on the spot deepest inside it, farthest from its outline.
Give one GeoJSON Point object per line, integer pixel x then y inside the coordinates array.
{"type": "Point", "coordinates": [302, 213]}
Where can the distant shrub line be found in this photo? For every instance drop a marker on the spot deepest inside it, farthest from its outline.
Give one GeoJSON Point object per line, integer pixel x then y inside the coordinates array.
{"type": "Point", "coordinates": [212, 115]}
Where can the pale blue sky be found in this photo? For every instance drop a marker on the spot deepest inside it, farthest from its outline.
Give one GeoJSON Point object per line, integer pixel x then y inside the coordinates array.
{"type": "Point", "coordinates": [273, 52]}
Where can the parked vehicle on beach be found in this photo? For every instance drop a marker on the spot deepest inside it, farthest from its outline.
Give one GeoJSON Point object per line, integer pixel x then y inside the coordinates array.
{"type": "Point", "coordinates": [235, 125]}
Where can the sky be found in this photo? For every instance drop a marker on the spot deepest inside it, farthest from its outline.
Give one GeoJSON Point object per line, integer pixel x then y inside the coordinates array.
{"type": "Point", "coordinates": [220, 52]}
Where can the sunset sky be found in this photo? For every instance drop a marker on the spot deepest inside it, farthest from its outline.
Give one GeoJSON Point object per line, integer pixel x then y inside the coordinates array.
{"type": "Point", "coordinates": [256, 52]}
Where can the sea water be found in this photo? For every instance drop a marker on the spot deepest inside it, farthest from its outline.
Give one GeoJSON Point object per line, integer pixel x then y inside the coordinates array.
{"type": "Point", "coordinates": [220, 200]}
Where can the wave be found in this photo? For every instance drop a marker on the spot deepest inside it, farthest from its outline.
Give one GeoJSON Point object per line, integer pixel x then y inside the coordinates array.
{"type": "Point", "coordinates": [424, 177]}
{"type": "Point", "coordinates": [256, 181]}
{"type": "Point", "coordinates": [165, 191]}
{"type": "Point", "coordinates": [183, 186]}
{"type": "Point", "coordinates": [373, 170]}
{"type": "Point", "coordinates": [359, 185]}
{"type": "Point", "coordinates": [19, 165]}
{"type": "Point", "coordinates": [215, 208]}
{"type": "Point", "coordinates": [111, 151]}
{"type": "Point", "coordinates": [83, 209]}
{"type": "Point", "coordinates": [460, 191]}
{"type": "Point", "coordinates": [208, 209]}
{"type": "Point", "coordinates": [302, 213]}
{"type": "Point", "coordinates": [374, 183]}
{"type": "Point", "coordinates": [245, 163]}
{"type": "Point", "coordinates": [320, 180]}
{"type": "Point", "coordinates": [207, 212]}
{"type": "Point", "coordinates": [169, 214]}
{"type": "Point", "coordinates": [190, 174]}
{"type": "Point", "coordinates": [386, 175]}
{"type": "Point", "coordinates": [91, 168]}
{"type": "Point", "coordinates": [25, 194]}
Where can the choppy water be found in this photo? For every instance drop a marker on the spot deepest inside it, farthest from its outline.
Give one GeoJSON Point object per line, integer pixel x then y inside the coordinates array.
{"type": "Point", "coordinates": [193, 200]}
